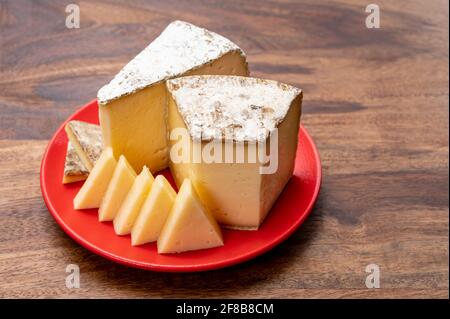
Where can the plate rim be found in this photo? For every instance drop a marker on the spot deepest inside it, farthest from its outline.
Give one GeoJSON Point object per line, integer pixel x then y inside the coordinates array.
{"type": "Point", "coordinates": [174, 268]}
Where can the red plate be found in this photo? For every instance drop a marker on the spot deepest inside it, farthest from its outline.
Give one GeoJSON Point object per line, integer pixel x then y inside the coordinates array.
{"type": "Point", "coordinates": [289, 212]}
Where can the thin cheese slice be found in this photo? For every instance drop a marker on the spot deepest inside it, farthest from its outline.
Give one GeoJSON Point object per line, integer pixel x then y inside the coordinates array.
{"type": "Point", "coordinates": [74, 170]}
{"type": "Point", "coordinates": [83, 150]}
{"type": "Point", "coordinates": [154, 212]}
{"type": "Point", "coordinates": [67, 179]}
{"type": "Point", "coordinates": [190, 226]}
{"type": "Point", "coordinates": [121, 182]}
{"type": "Point", "coordinates": [129, 210]}
{"type": "Point", "coordinates": [87, 141]}
{"type": "Point", "coordinates": [94, 188]}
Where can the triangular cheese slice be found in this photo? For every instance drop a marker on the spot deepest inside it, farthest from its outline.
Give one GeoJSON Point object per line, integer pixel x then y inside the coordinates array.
{"type": "Point", "coordinates": [87, 141]}
{"type": "Point", "coordinates": [91, 193]}
{"type": "Point", "coordinates": [132, 106]}
{"type": "Point", "coordinates": [129, 210]}
{"type": "Point", "coordinates": [154, 212]}
{"type": "Point", "coordinates": [121, 182]}
{"type": "Point", "coordinates": [74, 169]}
{"type": "Point", "coordinates": [239, 115]}
{"type": "Point", "coordinates": [190, 226]}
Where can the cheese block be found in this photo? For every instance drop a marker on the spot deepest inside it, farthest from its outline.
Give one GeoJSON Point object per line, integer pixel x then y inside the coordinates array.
{"type": "Point", "coordinates": [91, 193]}
{"type": "Point", "coordinates": [245, 116]}
{"type": "Point", "coordinates": [132, 107]}
{"type": "Point", "coordinates": [190, 226]}
{"type": "Point", "coordinates": [154, 212]}
{"type": "Point", "coordinates": [74, 169]}
{"type": "Point", "coordinates": [121, 182]}
{"type": "Point", "coordinates": [87, 141]}
{"type": "Point", "coordinates": [129, 210]}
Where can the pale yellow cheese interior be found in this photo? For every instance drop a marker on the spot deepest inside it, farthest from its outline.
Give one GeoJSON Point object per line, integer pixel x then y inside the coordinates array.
{"type": "Point", "coordinates": [273, 184]}
{"type": "Point", "coordinates": [236, 193]}
{"type": "Point", "coordinates": [94, 188]}
{"type": "Point", "coordinates": [130, 207]}
{"type": "Point", "coordinates": [190, 226]}
{"type": "Point", "coordinates": [154, 212]}
{"type": "Point", "coordinates": [134, 125]}
{"type": "Point", "coordinates": [121, 182]}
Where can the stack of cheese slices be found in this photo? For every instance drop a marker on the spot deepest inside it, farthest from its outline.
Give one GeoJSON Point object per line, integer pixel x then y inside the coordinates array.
{"type": "Point", "coordinates": [195, 81]}
{"type": "Point", "coordinates": [83, 149]}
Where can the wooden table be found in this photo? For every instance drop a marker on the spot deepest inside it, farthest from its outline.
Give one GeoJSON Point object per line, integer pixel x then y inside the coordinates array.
{"type": "Point", "coordinates": [375, 102]}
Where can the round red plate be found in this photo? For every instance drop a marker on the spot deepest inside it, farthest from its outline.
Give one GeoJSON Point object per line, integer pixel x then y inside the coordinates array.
{"type": "Point", "coordinates": [288, 213]}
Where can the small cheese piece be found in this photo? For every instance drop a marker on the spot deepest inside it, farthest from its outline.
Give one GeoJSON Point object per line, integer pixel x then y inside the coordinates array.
{"type": "Point", "coordinates": [87, 140]}
{"type": "Point", "coordinates": [190, 226]}
{"type": "Point", "coordinates": [74, 169]}
{"type": "Point", "coordinates": [132, 107]}
{"type": "Point", "coordinates": [94, 188]}
{"type": "Point", "coordinates": [234, 115]}
{"type": "Point", "coordinates": [154, 212]}
{"type": "Point", "coordinates": [121, 182]}
{"type": "Point", "coordinates": [129, 210]}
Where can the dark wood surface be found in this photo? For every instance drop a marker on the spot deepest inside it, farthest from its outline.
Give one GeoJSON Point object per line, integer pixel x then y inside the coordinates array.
{"type": "Point", "coordinates": [375, 101]}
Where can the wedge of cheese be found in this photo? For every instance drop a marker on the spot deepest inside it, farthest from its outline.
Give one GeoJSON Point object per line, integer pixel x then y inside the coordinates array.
{"type": "Point", "coordinates": [94, 188]}
{"type": "Point", "coordinates": [244, 116]}
{"type": "Point", "coordinates": [190, 226]}
{"type": "Point", "coordinates": [132, 107]}
{"type": "Point", "coordinates": [74, 169]}
{"type": "Point", "coordinates": [129, 210]}
{"type": "Point", "coordinates": [87, 141]}
{"type": "Point", "coordinates": [118, 188]}
{"type": "Point", "coordinates": [154, 212]}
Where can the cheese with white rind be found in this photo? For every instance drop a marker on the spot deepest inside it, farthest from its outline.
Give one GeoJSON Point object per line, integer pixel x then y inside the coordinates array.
{"type": "Point", "coordinates": [132, 107]}
{"type": "Point", "coordinates": [239, 112]}
{"type": "Point", "coordinates": [121, 182]}
{"type": "Point", "coordinates": [130, 207]}
{"type": "Point", "coordinates": [189, 226]}
{"type": "Point", "coordinates": [154, 212]}
{"type": "Point", "coordinates": [74, 169]}
{"type": "Point", "coordinates": [231, 108]}
{"type": "Point", "coordinates": [87, 140]}
{"type": "Point", "coordinates": [181, 47]}
{"type": "Point", "coordinates": [94, 188]}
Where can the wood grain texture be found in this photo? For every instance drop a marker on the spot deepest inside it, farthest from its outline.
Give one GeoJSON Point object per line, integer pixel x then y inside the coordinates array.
{"type": "Point", "coordinates": [375, 102]}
